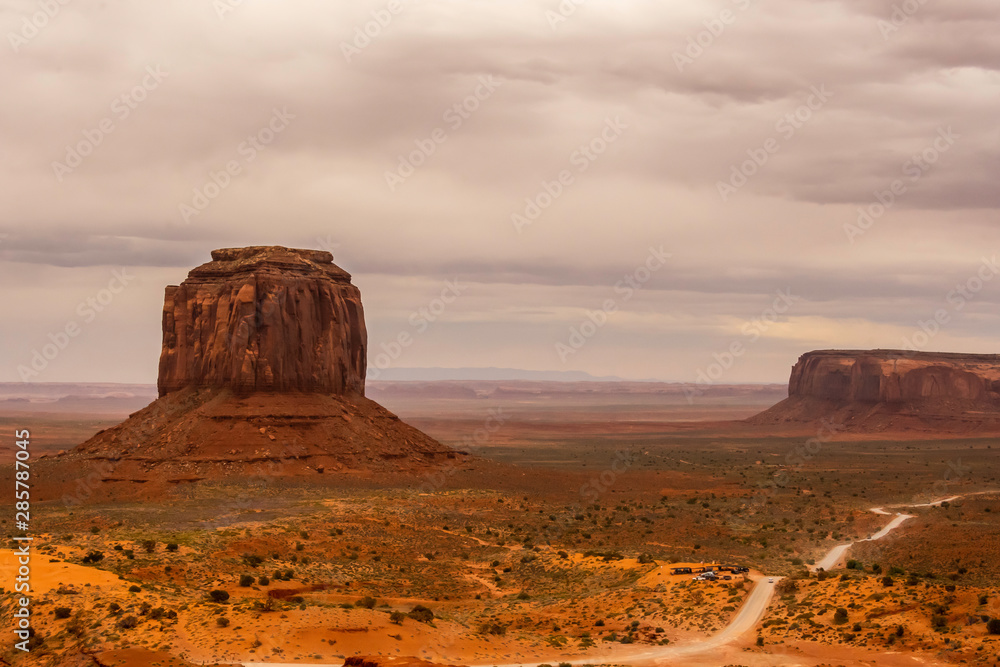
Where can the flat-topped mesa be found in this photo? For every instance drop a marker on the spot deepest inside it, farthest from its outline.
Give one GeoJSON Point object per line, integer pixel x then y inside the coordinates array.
{"type": "Point", "coordinates": [895, 376]}
{"type": "Point", "coordinates": [892, 391]}
{"type": "Point", "coordinates": [265, 318]}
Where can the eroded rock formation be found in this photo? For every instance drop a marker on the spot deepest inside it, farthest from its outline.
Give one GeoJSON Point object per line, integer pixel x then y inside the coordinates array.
{"type": "Point", "coordinates": [883, 389]}
{"type": "Point", "coordinates": [264, 319]}
{"type": "Point", "coordinates": [261, 376]}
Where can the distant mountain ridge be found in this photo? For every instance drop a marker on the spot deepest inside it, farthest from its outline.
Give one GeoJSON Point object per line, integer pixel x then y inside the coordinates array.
{"type": "Point", "coordinates": [429, 374]}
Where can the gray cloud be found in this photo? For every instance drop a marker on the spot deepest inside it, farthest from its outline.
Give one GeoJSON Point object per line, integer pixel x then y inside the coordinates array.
{"type": "Point", "coordinates": [322, 180]}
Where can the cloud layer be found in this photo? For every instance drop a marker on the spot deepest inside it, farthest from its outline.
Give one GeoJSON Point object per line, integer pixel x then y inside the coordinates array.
{"type": "Point", "coordinates": [843, 150]}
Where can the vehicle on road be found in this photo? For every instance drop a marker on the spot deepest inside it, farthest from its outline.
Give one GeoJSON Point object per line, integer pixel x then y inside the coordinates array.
{"type": "Point", "coordinates": [771, 580]}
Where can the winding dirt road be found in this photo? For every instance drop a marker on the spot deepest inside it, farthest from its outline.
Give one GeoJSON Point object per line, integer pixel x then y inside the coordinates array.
{"type": "Point", "coordinates": [746, 619]}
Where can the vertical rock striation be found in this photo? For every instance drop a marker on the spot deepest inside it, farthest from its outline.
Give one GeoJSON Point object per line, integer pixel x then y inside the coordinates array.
{"type": "Point", "coordinates": [265, 318]}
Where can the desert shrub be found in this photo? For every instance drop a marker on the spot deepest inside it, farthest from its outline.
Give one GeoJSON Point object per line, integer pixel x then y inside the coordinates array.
{"type": "Point", "coordinates": [645, 559]}
{"type": "Point", "coordinates": [218, 596]}
{"type": "Point", "coordinates": [983, 599]}
{"type": "Point", "coordinates": [157, 613]}
{"type": "Point", "coordinates": [900, 630]}
{"type": "Point", "coordinates": [287, 574]}
{"type": "Point", "coordinates": [367, 602]}
{"type": "Point", "coordinates": [63, 612]}
{"type": "Point", "coordinates": [840, 616]}
{"type": "Point", "coordinates": [786, 587]}
{"type": "Point", "coordinates": [93, 557]}
{"type": "Point", "coordinates": [128, 622]}
{"type": "Point", "coordinates": [253, 560]}
{"type": "Point", "coordinates": [129, 554]}
{"type": "Point", "coordinates": [95, 530]}
{"type": "Point", "coordinates": [523, 596]}
{"type": "Point", "coordinates": [222, 622]}
{"type": "Point", "coordinates": [492, 629]}
{"type": "Point", "coordinates": [887, 581]}
{"type": "Point", "coordinates": [149, 546]}
{"type": "Point", "coordinates": [171, 614]}
{"type": "Point", "coordinates": [263, 581]}
{"type": "Point", "coordinates": [856, 628]}
{"type": "Point", "coordinates": [563, 554]}
{"type": "Point", "coordinates": [939, 621]}
{"type": "Point", "coordinates": [599, 623]}
{"type": "Point", "coordinates": [854, 565]}
{"type": "Point", "coordinates": [134, 589]}
{"type": "Point", "coordinates": [246, 580]}
{"type": "Point", "coordinates": [760, 641]}
{"type": "Point", "coordinates": [118, 547]}
{"type": "Point", "coordinates": [172, 546]}
{"type": "Point", "coordinates": [993, 626]}
{"type": "Point", "coordinates": [397, 617]}
{"type": "Point", "coordinates": [114, 608]}
{"type": "Point", "coordinates": [421, 614]}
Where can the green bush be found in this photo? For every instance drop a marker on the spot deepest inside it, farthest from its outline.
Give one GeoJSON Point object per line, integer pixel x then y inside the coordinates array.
{"type": "Point", "coordinates": [367, 602]}
{"type": "Point", "coordinates": [397, 617]}
{"type": "Point", "coordinates": [246, 580]}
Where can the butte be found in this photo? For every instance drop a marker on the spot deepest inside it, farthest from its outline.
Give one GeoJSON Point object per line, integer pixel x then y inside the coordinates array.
{"type": "Point", "coordinates": [262, 373]}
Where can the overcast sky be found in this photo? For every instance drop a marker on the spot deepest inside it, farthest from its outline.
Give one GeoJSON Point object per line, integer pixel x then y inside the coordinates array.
{"type": "Point", "coordinates": [116, 115]}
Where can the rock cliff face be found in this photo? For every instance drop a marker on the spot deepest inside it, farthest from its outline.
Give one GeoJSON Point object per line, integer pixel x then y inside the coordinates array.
{"type": "Point", "coordinates": [264, 319]}
{"type": "Point", "coordinates": [894, 376]}
{"type": "Point", "coordinates": [261, 377]}
{"type": "Point", "coordinates": [880, 389]}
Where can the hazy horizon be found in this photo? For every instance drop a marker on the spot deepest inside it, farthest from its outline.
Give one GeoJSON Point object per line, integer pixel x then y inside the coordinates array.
{"type": "Point", "coordinates": [834, 162]}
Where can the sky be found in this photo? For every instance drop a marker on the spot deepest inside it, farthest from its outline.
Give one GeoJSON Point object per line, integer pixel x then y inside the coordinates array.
{"type": "Point", "coordinates": [647, 189]}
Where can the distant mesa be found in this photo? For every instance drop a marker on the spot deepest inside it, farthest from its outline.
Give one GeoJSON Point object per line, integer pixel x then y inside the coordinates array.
{"type": "Point", "coordinates": [262, 372]}
{"type": "Point", "coordinates": [882, 390]}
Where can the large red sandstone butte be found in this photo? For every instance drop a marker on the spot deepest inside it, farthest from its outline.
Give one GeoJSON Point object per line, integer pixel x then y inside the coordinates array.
{"type": "Point", "coordinates": [877, 390]}
{"type": "Point", "coordinates": [265, 319]}
{"type": "Point", "coordinates": [261, 375]}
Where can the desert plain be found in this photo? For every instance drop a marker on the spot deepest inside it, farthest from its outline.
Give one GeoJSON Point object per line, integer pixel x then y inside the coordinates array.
{"type": "Point", "coordinates": [552, 543]}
